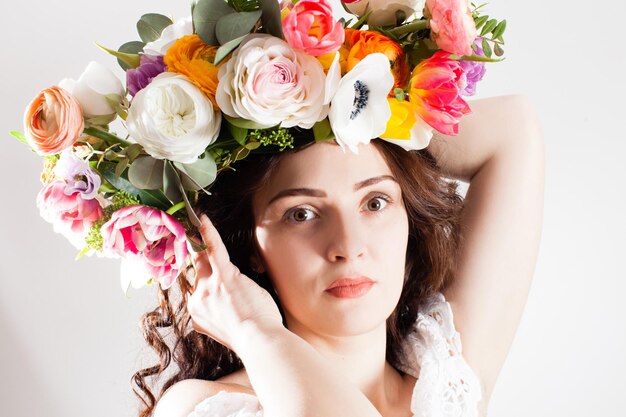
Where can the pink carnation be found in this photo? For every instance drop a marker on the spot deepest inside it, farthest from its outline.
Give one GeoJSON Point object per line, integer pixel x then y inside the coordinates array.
{"type": "Point", "coordinates": [452, 25]}
{"type": "Point", "coordinates": [157, 239]}
{"type": "Point", "coordinates": [310, 27]}
{"type": "Point", "coordinates": [71, 215]}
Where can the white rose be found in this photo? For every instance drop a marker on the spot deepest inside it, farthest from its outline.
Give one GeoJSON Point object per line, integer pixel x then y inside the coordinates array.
{"type": "Point", "coordinates": [270, 83]}
{"type": "Point", "coordinates": [172, 119]}
{"type": "Point", "coordinates": [169, 35]}
{"type": "Point", "coordinates": [384, 11]}
{"type": "Point", "coordinates": [359, 110]}
{"type": "Point", "coordinates": [93, 87]}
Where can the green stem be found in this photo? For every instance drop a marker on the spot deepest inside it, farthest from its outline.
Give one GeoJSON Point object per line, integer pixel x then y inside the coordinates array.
{"type": "Point", "coordinates": [175, 208]}
{"type": "Point", "coordinates": [106, 136]}
{"type": "Point", "coordinates": [411, 27]}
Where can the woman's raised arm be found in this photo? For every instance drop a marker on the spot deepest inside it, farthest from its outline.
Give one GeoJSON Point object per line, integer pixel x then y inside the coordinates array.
{"type": "Point", "coordinates": [499, 151]}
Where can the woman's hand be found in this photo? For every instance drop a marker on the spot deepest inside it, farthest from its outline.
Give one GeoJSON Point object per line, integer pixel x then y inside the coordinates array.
{"type": "Point", "coordinates": [225, 304]}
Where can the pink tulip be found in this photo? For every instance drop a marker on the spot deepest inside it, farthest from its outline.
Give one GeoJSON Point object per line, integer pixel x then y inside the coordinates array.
{"type": "Point", "coordinates": [435, 92]}
{"type": "Point", "coordinates": [156, 238]}
{"type": "Point", "coordinates": [71, 215]}
{"type": "Point", "coordinates": [452, 25]}
{"type": "Point", "coordinates": [310, 27]}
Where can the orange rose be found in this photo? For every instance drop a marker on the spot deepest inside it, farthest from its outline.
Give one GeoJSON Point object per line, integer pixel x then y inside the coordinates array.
{"type": "Point", "coordinates": [364, 42]}
{"type": "Point", "coordinates": [193, 58]}
{"type": "Point", "coordinates": [53, 121]}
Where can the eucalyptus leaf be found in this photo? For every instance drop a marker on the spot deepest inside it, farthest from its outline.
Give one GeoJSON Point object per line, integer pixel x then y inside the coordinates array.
{"type": "Point", "coordinates": [133, 151]}
{"type": "Point", "coordinates": [271, 18]}
{"type": "Point", "coordinates": [154, 198]}
{"type": "Point", "coordinates": [205, 14]}
{"type": "Point", "coordinates": [226, 49]}
{"type": "Point", "coordinates": [497, 49]}
{"type": "Point", "coordinates": [131, 60]}
{"type": "Point", "coordinates": [191, 214]}
{"type": "Point", "coordinates": [243, 123]}
{"type": "Point", "coordinates": [240, 134]}
{"type": "Point", "coordinates": [151, 25]}
{"type": "Point", "coordinates": [121, 167]}
{"type": "Point", "coordinates": [200, 174]}
{"type": "Point", "coordinates": [134, 48]}
{"type": "Point", "coordinates": [235, 25]}
{"type": "Point", "coordinates": [170, 183]}
{"type": "Point", "coordinates": [321, 130]}
{"type": "Point", "coordinates": [146, 173]}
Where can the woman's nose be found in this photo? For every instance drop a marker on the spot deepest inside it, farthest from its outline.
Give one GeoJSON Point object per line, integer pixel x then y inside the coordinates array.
{"type": "Point", "coordinates": [345, 238]}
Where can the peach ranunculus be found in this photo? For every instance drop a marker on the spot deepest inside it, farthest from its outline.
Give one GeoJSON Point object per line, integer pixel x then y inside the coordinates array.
{"type": "Point", "coordinates": [452, 25]}
{"type": "Point", "coordinates": [310, 27]}
{"type": "Point", "coordinates": [70, 214]}
{"type": "Point", "coordinates": [193, 58]}
{"type": "Point", "coordinates": [150, 237]}
{"type": "Point", "coordinates": [434, 93]}
{"type": "Point", "coordinates": [364, 42]}
{"type": "Point", "coordinates": [53, 121]}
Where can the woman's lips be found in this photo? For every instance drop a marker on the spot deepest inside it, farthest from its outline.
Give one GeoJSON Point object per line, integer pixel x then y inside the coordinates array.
{"type": "Point", "coordinates": [350, 288]}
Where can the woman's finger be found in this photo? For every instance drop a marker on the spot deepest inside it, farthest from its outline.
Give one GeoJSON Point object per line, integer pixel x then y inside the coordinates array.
{"type": "Point", "coordinates": [215, 251]}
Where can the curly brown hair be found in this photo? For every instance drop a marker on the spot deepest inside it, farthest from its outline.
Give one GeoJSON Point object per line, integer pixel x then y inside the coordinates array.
{"type": "Point", "coordinates": [433, 207]}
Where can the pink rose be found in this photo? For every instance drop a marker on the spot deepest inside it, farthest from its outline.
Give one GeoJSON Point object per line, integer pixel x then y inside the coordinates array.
{"type": "Point", "coordinates": [452, 25]}
{"type": "Point", "coordinates": [53, 121]}
{"type": "Point", "coordinates": [152, 236]}
{"type": "Point", "coordinates": [71, 215]}
{"type": "Point", "coordinates": [310, 27]}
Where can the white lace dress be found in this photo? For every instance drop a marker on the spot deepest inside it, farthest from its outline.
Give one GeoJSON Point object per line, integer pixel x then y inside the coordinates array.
{"type": "Point", "coordinates": [446, 386]}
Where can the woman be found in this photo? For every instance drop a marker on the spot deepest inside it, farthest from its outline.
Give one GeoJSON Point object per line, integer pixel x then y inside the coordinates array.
{"type": "Point", "coordinates": [329, 355]}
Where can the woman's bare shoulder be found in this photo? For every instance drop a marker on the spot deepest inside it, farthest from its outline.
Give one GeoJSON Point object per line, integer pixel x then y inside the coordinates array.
{"type": "Point", "coordinates": [180, 399]}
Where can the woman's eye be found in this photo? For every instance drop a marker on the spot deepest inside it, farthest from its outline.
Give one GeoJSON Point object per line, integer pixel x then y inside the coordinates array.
{"type": "Point", "coordinates": [377, 203]}
{"type": "Point", "coordinates": [299, 215]}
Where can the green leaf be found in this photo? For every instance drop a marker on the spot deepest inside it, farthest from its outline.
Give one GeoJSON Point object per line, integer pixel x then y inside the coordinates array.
{"type": "Point", "coordinates": [131, 60]}
{"type": "Point", "coordinates": [497, 49]}
{"type": "Point", "coordinates": [499, 30]}
{"type": "Point", "coordinates": [154, 198]}
{"type": "Point", "coordinates": [200, 174]}
{"type": "Point", "coordinates": [134, 48]}
{"type": "Point", "coordinates": [170, 183]}
{"type": "Point", "coordinates": [240, 134]}
{"type": "Point", "coordinates": [481, 21]}
{"type": "Point", "coordinates": [146, 173]}
{"type": "Point", "coordinates": [243, 123]}
{"type": "Point", "coordinates": [226, 49]}
{"type": "Point", "coordinates": [244, 5]}
{"type": "Point", "coordinates": [252, 145]}
{"type": "Point", "coordinates": [121, 167]}
{"type": "Point", "coordinates": [487, 48]}
{"type": "Point", "coordinates": [489, 26]}
{"type": "Point", "coordinates": [205, 14]}
{"type": "Point", "coordinates": [133, 151]}
{"type": "Point", "coordinates": [271, 18]}
{"type": "Point", "coordinates": [151, 25]}
{"type": "Point", "coordinates": [321, 130]}
{"type": "Point", "coordinates": [235, 25]}
{"type": "Point", "coordinates": [19, 136]}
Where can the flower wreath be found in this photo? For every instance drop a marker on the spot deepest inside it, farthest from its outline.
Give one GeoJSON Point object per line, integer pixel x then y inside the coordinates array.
{"type": "Point", "coordinates": [240, 77]}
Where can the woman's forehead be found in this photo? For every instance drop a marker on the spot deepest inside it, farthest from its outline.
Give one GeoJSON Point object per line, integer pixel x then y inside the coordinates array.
{"type": "Point", "coordinates": [325, 166]}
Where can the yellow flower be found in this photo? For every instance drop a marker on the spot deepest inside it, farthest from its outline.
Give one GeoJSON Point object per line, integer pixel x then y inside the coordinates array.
{"type": "Point", "coordinates": [401, 121]}
{"type": "Point", "coordinates": [193, 58]}
{"type": "Point", "coordinates": [327, 59]}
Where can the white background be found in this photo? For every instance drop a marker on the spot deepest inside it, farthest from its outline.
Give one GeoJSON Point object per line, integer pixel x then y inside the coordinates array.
{"type": "Point", "coordinates": [70, 340]}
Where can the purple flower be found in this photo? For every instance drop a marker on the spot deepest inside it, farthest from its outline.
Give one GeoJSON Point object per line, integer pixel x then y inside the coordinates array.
{"type": "Point", "coordinates": [473, 72]}
{"type": "Point", "coordinates": [78, 175]}
{"type": "Point", "coordinates": [150, 66]}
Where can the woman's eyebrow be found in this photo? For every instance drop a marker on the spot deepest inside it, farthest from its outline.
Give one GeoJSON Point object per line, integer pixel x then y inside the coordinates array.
{"type": "Point", "coordinates": [312, 192]}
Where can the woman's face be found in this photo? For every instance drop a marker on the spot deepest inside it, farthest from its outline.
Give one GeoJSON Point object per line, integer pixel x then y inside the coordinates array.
{"type": "Point", "coordinates": [325, 215]}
